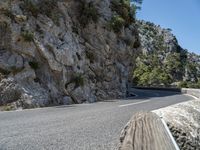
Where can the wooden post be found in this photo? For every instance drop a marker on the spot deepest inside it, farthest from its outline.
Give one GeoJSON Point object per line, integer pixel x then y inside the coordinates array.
{"type": "Point", "coordinates": [145, 131]}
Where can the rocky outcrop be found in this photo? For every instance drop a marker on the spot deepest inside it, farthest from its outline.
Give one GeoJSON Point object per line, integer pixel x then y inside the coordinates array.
{"type": "Point", "coordinates": [50, 53]}
{"type": "Point", "coordinates": [155, 38]}
{"type": "Point", "coordinates": [163, 61]}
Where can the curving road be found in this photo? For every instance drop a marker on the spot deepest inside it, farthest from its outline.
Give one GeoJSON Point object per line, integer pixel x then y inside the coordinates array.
{"type": "Point", "coordinates": [94, 126]}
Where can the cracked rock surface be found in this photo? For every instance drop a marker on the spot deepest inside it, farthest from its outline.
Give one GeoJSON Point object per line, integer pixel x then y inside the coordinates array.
{"type": "Point", "coordinates": [49, 58]}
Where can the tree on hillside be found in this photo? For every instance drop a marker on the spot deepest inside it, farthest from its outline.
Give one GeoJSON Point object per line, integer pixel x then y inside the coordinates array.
{"type": "Point", "coordinates": [135, 5]}
{"type": "Point", "coordinates": [174, 66]}
{"type": "Point", "coordinates": [141, 73]}
{"type": "Point", "coordinates": [136, 2]}
{"type": "Point", "coordinates": [159, 77]}
{"type": "Point", "coordinates": [192, 71]}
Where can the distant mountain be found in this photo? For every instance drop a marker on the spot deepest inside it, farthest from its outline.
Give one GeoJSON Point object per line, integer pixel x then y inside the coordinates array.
{"type": "Point", "coordinates": [163, 62]}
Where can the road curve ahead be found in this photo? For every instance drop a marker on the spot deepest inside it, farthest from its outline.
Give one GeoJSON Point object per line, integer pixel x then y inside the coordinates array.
{"type": "Point", "coordinates": [95, 126]}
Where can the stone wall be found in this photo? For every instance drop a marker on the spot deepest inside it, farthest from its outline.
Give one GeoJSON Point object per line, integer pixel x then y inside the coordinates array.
{"type": "Point", "coordinates": [194, 92]}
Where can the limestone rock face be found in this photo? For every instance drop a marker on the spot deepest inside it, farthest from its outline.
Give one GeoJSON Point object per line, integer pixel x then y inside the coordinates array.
{"type": "Point", "coordinates": [48, 57]}
{"type": "Point", "coordinates": [155, 38]}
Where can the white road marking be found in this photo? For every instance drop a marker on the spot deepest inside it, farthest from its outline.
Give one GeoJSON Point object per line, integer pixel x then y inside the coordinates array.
{"type": "Point", "coordinates": [133, 103]}
{"type": "Point", "coordinates": [192, 96]}
{"type": "Point", "coordinates": [170, 134]}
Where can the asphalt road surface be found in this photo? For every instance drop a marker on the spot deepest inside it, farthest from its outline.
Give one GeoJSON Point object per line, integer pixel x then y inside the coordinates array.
{"type": "Point", "coordinates": [95, 126]}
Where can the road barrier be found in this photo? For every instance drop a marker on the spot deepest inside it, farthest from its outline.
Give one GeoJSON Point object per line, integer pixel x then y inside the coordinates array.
{"type": "Point", "coordinates": [159, 88]}
{"type": "Point", "coordinates": [146, 131]}
{"type": "Point", "coordinates": [194, 92]}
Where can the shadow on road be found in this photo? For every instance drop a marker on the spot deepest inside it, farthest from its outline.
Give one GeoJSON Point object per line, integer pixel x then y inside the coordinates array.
{"type": "Point", "coordinates": [151, 93]}
{"type": "Point", "coordinates": [135, 95]}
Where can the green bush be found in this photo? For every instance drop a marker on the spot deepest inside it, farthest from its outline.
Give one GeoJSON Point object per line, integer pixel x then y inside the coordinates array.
{"type": "Point", "coordinates": [27, 36]}
{"type": "Point", "coordinates": [117, 23]}
{"type": "Point", "coordinates": [124, 10]}
{"type": "Point", "coordinates": [133, 11]}
{"type": "Point", "coordinates": [88, 13]}
{"type": "Point", "coordinates": [189, 84]}
{"type": "Point", "coordinates": [78, 80]}
{"type": "Point", "coordinates": [150, 75]}
{"type": "Point", "coordinates": [34, 65]}
{"type": "Point", "coordinates": [183, 84]}
{"type": "Point", "coordinates": [7, 108]}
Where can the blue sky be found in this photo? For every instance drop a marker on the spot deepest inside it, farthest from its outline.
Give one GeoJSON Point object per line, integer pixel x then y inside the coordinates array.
{"type": "Point", "coordinates": [182, 16]}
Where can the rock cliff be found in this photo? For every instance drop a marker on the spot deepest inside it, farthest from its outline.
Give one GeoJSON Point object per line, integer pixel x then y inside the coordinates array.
{"type": "Point", "coordinates": [63, 52]}
{"type": "Point", "coordinates": [163, 61]}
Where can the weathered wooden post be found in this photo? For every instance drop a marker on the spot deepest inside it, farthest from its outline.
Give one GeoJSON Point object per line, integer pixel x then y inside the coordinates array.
{"type": "Point", "coordinates": [145, 131]}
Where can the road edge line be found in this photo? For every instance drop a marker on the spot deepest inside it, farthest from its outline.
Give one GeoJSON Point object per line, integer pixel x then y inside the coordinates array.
{"type": "Point", "coordinates": [130, 104]}
{"type": "Point", "coordinates": [191, 96]}
{"type": "Point", "coordinates": [170, 134]}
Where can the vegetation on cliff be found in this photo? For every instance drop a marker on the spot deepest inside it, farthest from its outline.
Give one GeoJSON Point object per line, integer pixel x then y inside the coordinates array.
{"type": "Point", "coordinates": [163, 62]}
